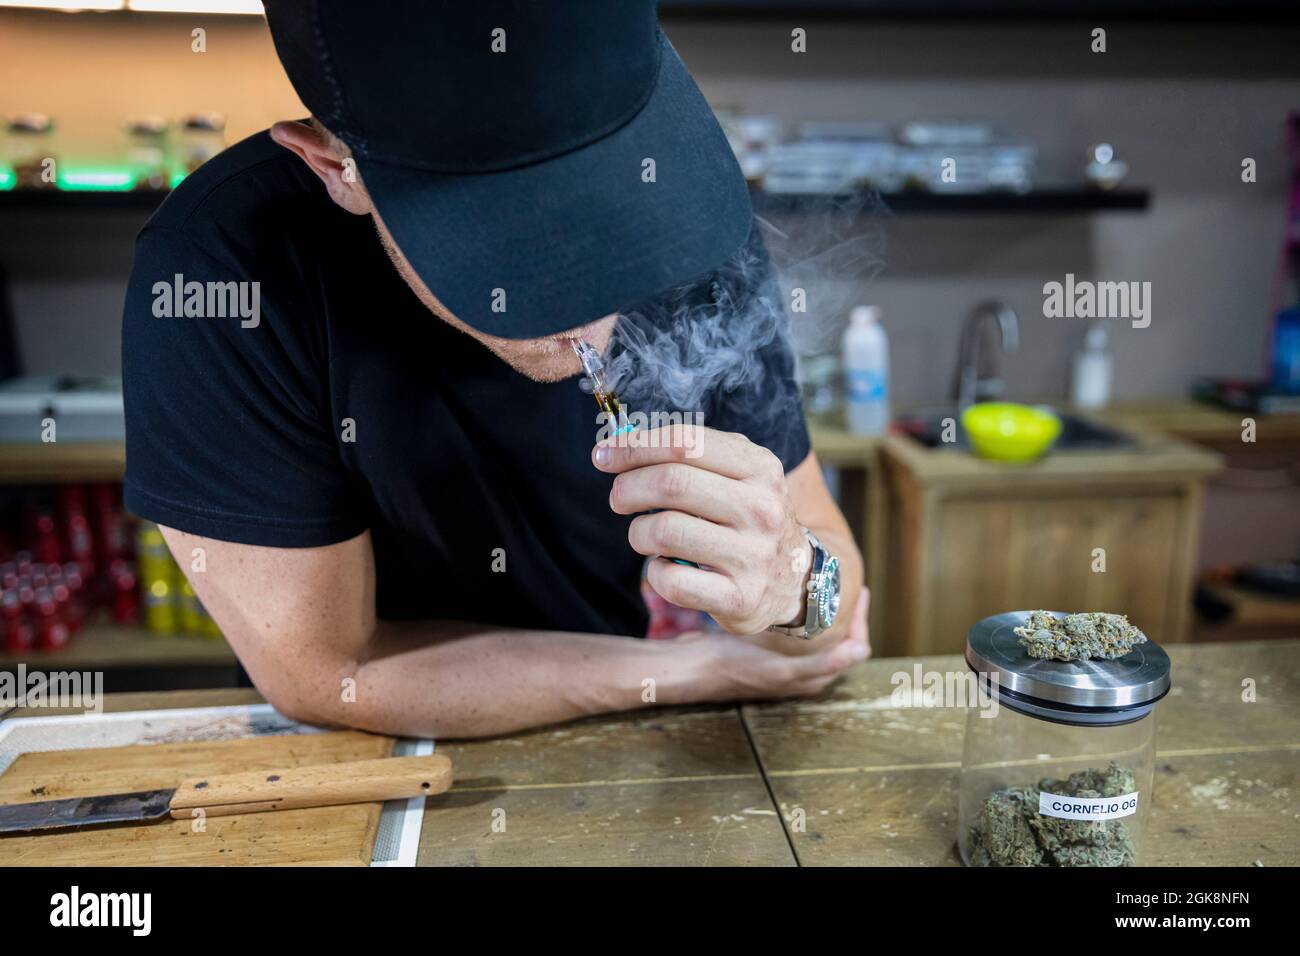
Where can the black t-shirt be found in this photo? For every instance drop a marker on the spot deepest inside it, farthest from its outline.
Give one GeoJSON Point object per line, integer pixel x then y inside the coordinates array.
{"type": "Point", "coordinates": [342, 404]}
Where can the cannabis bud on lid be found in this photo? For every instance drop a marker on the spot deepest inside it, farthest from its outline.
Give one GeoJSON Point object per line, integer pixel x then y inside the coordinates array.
{"type": "Point", "coordinates": [1079, 637]}
{"type": "Point", "coordinates": [1092, 692]}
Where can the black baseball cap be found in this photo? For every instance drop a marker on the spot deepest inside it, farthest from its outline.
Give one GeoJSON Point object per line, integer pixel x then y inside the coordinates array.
{"type": "Point", "coordinates": [508, 146]}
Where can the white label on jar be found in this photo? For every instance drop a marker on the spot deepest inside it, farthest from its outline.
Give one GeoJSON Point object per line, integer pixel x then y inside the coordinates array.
{"type": "Point", "coordinates": [1087, 808]}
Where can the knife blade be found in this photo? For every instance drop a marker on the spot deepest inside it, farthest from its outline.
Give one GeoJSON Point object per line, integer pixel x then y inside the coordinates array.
{"type": "Point", "coordinates": [254, 791]}
{"type": "Point", "coordinates": [142, 805]}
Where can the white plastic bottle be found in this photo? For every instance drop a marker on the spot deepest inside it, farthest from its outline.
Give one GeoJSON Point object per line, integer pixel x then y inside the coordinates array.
{"type": "Point", "coordinates": [1093, 371]}
{"type": "Point", "coordinates": [866, 372]}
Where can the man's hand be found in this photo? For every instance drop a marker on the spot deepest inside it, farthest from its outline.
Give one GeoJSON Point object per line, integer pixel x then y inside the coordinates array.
{"type": "Point", "coordinates": [720, 501]}
{"type": "Point", "coordinates": [737, 668]}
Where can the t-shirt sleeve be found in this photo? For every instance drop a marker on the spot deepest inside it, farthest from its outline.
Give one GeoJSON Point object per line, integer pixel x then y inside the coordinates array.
{"type": "Point", "coordinates": [228, 425]}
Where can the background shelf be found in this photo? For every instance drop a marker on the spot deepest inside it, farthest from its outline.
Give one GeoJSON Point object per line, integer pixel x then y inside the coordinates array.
{"type": "Point", "coordinates": [985, 9]}
{"type": "Point", "coordinates": [1049, 199]}
{"type": "Point", "coordinates": [109, 646]}
{"type": "Point", "coordinates": [1046, 199]}
{"type": "Point", "coordinates": [43, 199]}
{"type": "Point", "coordinates": [38, 463]}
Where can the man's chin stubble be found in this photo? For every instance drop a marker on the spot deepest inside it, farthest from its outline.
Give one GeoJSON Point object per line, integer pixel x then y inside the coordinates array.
{"type": "Point", "coordinates": [539, 368]}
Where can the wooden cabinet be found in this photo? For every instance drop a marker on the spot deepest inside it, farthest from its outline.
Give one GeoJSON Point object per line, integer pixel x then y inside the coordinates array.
{"type": "Point", "coordinates": [1113, 531]}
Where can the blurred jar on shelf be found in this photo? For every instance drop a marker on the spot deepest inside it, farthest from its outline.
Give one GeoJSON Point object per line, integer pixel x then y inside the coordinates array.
{"type": "Point", "coordinates": [1104, 171]}
{"type": "Point", "coordinates": [203, 135]}
{"type": "Point", "coordinates": [30, 153]}
{"type": "Point", "coordinates": [146, 152]}
{"type": "Point", "coordinates": [751, 139]}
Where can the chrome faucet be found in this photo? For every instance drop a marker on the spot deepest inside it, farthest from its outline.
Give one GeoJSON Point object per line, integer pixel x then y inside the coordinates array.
{"type": "Point", "coordinates": [978, 374]}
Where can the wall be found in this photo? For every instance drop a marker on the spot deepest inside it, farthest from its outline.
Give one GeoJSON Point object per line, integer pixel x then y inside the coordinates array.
{"type": "Point", "coordinates": [1181, 106]}
{"type": "Point", "coordinates": [91, 72]}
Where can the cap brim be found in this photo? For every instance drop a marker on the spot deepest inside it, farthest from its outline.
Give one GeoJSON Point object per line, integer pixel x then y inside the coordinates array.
{"type": "Point", "coordinates": [536, 250]}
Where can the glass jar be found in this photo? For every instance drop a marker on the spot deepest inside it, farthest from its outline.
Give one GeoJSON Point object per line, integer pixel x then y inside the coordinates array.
{"type": "Point", "coordinates": [1057, 768]}
{"type": "Point", "coordinates": [202, 137]}
{"type": "Point", "coordinates": [29, 148]}
{"type": "Point", "coordinates": [146, 152]}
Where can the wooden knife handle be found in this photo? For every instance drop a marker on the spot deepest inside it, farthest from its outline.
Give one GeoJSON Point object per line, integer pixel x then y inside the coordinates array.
{"type": "Point", "coordinates": [323, 785]}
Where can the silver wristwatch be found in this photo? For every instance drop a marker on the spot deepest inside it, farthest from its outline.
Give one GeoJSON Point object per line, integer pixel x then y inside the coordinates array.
{"type": "Point", "coordinates": [823, 601]}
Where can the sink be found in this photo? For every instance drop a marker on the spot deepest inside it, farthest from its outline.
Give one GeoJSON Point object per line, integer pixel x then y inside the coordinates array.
{"type": "Point", "coordinates": [1077, 433]}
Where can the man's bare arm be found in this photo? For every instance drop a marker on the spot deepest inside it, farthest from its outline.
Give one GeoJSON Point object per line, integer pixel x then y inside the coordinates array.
{"type": "Point", "coordinates": [302, 621]}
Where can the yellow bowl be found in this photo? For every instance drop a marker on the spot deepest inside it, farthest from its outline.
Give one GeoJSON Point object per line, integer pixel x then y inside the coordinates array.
{"type": "Point", "coordinates": [1005, 431]}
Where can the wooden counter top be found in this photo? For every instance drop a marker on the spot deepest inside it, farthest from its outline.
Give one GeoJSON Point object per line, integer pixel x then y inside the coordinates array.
{"type": "Point", "coordinates": [1198, 421]}
{"type": "Point", "coordinates": [879, 783]}
{"type": "Point", "coordinates": [836, 445]}
{"type": "Point", "coordinates": [1153, 457]}
{"type": "Point", "coordinates": [876, 784]}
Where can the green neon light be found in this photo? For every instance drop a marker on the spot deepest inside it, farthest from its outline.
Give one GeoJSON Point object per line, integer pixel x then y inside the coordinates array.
{"type": "Point", "coordinates": [88, 179]}
{"type": "Point", "coordinates": [97, 178]}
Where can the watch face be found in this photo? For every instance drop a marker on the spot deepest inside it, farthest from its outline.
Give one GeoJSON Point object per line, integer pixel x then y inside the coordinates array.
{"type": "Point", "coordinates": [829, 602]}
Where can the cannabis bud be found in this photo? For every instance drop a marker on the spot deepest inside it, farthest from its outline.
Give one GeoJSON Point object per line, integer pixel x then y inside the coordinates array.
{"type": "Point", "coordinates": [1078, 637]}
{"type": "Point", "coordinates": [1009, 830]}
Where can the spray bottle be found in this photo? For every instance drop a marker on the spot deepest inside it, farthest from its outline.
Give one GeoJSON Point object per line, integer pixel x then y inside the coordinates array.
{"type": "Point", "coordinates": [1093, 371]}
{"type": "Point", "coordinates": [866, 372]}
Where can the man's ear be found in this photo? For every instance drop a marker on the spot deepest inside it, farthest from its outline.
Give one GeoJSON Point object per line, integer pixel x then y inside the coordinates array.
{"type": "Point", "coordinates": [340, 176]}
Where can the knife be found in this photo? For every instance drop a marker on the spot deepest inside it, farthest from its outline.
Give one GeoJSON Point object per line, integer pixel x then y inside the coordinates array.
{"type": "Point", "coordinates": [252, 791]}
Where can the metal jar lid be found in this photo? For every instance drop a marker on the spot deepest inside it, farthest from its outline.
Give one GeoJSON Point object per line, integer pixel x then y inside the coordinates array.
{"type": "Point", "coordinates": [1093, 692]}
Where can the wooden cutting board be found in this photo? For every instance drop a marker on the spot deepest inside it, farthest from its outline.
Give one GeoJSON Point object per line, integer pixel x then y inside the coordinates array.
{"type": "Point", "coordinates": [321, 836]}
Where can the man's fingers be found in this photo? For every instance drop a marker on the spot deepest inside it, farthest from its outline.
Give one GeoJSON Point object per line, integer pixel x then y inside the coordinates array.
{"type": "Point", "coordinates": [672, 534]}
{"type": "Point", "coordinates": [829, 662]}
{"type": "Point", "coordinates": [680, 487]}
{"type": "Point", "coordinates": [849, 651]}
{"type": "Point", "coordinates": [689, 587]}
{"type": "Point", "coordinates": [724, 453]}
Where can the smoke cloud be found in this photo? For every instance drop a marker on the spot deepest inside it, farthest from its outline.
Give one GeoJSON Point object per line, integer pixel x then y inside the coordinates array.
{"type": "Point", "coordinates": [723, 338]}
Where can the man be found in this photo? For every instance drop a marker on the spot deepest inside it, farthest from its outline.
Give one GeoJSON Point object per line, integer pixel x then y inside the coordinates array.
{"type": "Point", "coordinates": [376, 475]}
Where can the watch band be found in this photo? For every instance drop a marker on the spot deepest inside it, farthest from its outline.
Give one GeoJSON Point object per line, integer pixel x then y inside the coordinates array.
{"type": "Point", "coordinates": [811, 624]}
